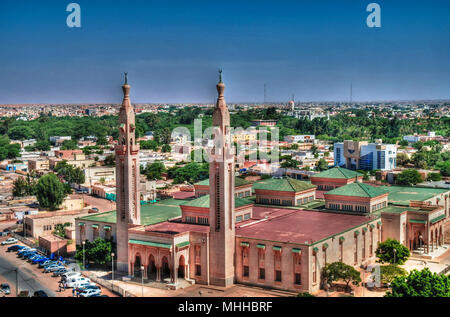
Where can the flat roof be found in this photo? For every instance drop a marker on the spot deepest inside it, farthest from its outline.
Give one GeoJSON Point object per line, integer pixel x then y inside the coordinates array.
{"type": "Point", "coordinates": [176, 227]}
{"type": "Point", "coordinates": [300, 226]}
{"type": "Point", "coordinates": [402, 195]}
{"type": "Point", "coordinates": [150, 214]}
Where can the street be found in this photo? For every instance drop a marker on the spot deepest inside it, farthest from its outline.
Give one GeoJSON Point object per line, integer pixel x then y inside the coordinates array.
{"type": "Point", "coordinates": [30, 277]}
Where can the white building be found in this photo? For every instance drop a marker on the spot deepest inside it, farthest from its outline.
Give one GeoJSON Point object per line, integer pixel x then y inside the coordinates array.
{"type": "Point", "coordinates": [365, 156]}
{"type": "Point", "coordinates": [299, 138]}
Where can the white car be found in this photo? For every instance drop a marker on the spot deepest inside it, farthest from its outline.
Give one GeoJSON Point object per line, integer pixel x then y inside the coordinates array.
{"type": "Point", "coordinates": [75, 281]}
{"type": "Point", "coordinates": [69, 275]}
{"type": "Point", "coordinates": [10, 241]}
{"type": "Point", "coordinates": [90, 292]}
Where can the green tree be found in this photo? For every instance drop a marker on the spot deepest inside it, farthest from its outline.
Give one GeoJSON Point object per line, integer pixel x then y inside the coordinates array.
{"type": "Point", "coordinates": [386, 254]}
{"type": "Point", "coordinates": [149, 145]}
{"type": "Point", "coordinates": [338, 271]}
{"type": "Point", "coordinates": [444, 168]}
{"type": "Point", "coordinates": [192, 173]}
{"type": "Point", "coordinates": [409, 177]}
{"type": "Point", "coordinates": [420, 284]}
{"type": "Point", "coordinates": [289, 163]}
{"type": "Point", "coordinates": [98, 251]}
{"type": "Point", "coordinates": [42, 145]}
{"type": "Point", "coordinates": [321, 165]}
{"type": "Point", "coordinates": [24, 186]}
{"type": "Point", "coordinates": [435, 177]}
{"type": "Point", "coordinates": [60, 229]}
{"type": "Point", "coordinates": [390, 272]}
{"type": "Point", "coordinates": [110, 160]}
{"type": "Point", "coordinates": [166, 148]}
{"type": "Point", "coordinates": [155, 170]}
{"type": "Point", "coordinates": [50, 192]}
{"type": "Point", "coordinates": [69, 145]}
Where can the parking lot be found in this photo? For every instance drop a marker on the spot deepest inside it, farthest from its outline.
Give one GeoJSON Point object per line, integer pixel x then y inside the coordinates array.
{"type": "Point", "coordinates": [30, 277]}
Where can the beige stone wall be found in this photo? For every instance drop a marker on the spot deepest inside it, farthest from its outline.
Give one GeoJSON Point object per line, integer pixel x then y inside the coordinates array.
{"type": "Point", "coordinates": [40, 226]}
{"type": "Point", "coordinates": [88, 232]}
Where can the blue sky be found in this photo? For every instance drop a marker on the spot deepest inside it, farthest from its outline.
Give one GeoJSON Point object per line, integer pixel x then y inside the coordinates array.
{"type": "Point", "coordinates": [172, 50]}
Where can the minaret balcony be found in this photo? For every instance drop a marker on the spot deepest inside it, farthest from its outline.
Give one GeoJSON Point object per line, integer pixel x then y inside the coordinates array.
{"type": "Point", "coordinates": [122, 149]}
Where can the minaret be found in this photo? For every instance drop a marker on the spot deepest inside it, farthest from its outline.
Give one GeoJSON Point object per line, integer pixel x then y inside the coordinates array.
{"type": "Point", "coordinates": [221, 212]}
{"type": "Point", "coordinates": [127, 178]}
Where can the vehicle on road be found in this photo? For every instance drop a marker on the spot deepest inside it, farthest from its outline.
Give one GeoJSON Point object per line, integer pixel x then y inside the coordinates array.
{"type": "Point", "coordinates": [10, 241]}
{"type": "Point", "coordinates": [13, 248]}
{"type": "Point", "coordinates": [98, 295]}
{"type": "Point", "coordinates": [4, 288]}
{"type": "Point", "coordinates": [90, 292]}
{"type": "Point", "coordinates": [59, 272]}
{"type": "Point", "coordinates": [3, 234]}
{"type": "Point", "coordinates": [86, 286]}
{"type": "Point", "coordinates": [40, 293]}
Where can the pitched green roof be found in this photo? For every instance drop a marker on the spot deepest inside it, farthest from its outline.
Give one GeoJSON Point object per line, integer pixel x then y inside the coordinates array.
{"type": "Point", "coordinates": [287, 184]}
{"type": "Point", "coordinates": [150, 214]}
{"type": "Point", "coordinates": [357, 189]}
{"type": "Point", "coordinates": [238, 181]}
{"type": "Point", "coordinates": [402, 195]}
{"type": "Point", "coordinates": [203, 202]}
{"type": "Point", "coordinates": [338, 172]}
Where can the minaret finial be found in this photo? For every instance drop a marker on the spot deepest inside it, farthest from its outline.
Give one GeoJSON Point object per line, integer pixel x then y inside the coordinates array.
{"type": "Point", "coordinates": [220, 75]}
{"type": "Point", "coordinates": [126, 79]}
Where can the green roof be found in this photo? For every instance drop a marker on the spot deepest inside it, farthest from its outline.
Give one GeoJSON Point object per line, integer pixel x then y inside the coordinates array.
{"type": "Point", "coordinates": [296, 250]}
{"type": "Point", "coordinates": [150, 243]}
{"type": "Point", "coordinates": [287, 184]}
{"type": "Point", "coordinates": [276, 248]}
{"type": "Point", "coordinates": [357, 189]}
{"type": "Point", "coordinates": [261, 246]}
{"type": "Point", "coordinates": [150, 214]}
{"type": "Point", "coordinates": [203, 202]}
{"type": "Point", "coordinates": [437, 219]}
{"type": "Point", "coordinates": [417, 221]}
{"type": "Point", "coordinates": [244, 244]}
{"type": "Point", "coordinates": [338, 172]}
{"type": "Point", "coordinates": [238, 181]}
{"type": "Point", "coordinates": [402, 195]}
{"type": "Point", "coordinates": [183, 244]}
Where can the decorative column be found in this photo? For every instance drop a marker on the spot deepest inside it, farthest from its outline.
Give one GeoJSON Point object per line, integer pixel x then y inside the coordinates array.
{"type": "Point", "coordinates": [158, 273]}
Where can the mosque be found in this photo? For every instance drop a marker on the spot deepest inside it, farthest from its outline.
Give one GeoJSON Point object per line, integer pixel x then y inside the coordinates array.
{"type": "Point", "coordinates": [273, 233]}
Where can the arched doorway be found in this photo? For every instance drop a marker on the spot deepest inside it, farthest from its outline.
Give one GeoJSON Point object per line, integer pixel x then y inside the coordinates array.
{"type": "Point", "coordinates": [181, 267]}
{"type": "Point", "coordinates": [165, 269]}
{"type": "Point", "coordinates": [151, 268]}
{"type": "Point", "coordinates": [137, 265]}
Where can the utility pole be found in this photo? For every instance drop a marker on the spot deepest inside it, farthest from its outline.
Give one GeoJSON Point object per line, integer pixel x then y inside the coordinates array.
{"type": "Point", "coordinates": [17, 282]}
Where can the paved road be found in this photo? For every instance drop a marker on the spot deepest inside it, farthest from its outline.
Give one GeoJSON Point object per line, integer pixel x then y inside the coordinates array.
{"type": "Point", "coordinates": [31, 277]}
{"type": "Point", "coordinates": [28, 280]}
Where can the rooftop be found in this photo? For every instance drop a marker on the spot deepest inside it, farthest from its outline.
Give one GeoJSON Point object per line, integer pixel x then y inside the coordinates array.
{"type": "Point", "coordinates": [402, 195]}
{"type": "Point", "coordinates": [203, 202]}
{"type": "Point", "coordinates": [299, 226]}
{"type": "Point", "coordinates": [150, 214]}
{"type": "Point", "coordinates": [337, 172]}
{"type": "Point", "coordinates": [287, 184]}
{"type": "Point", "coordinates": [176, 227]}
{"type": "Point", "coordinates": [238, 181]}
{"type": "Point", "coordinates": [357, 189]}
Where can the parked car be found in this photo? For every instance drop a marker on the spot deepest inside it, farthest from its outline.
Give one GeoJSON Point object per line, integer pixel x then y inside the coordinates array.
{"type": "Point", "coordinates": [26, 254]}
{"type": "Point", "coordinates": [32, 257]}
{"type": "Point", "coordinates": [3, 234]}
{"type": "Point", "coordinates": [10, 241]}
{"type": "Point", "coordinates": [98, 295]}
{"type": "Point", "coordinates": [40, 260]}
{"type": "Point", "coordinates": [59, 272]}
{"type": "Point", "coordinates": [83, 285]}
{"type": "Point", "coordinates": [40, 293]}
{"type": "Point", "coordinates": [69, 275]}
{"type": "Point", "coordinates": [13, 248]}
{"type": "Point", "coordinates": [4, 288]}
{"type": "Point", "coordinates": [45, 263]}
{"type": "Point", "coordinates": [76, 281]}
{"type": "Point", "coordinates": [53, 268]}
{"type": "Point", "coordinates": [90, 292]}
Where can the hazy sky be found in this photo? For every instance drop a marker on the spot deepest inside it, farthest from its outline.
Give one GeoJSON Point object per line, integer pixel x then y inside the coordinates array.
{"type": "Point", "coordinates": [172, 50]}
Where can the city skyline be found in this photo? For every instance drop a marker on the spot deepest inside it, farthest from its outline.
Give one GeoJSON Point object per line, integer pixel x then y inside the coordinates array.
{"type": "Point", "coordinates": [172, 52]}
